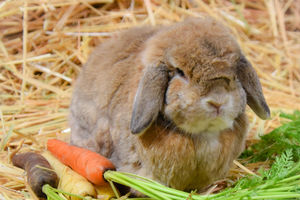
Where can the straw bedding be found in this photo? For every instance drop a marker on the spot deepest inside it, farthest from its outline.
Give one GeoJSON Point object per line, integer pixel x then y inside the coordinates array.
{"type": "Point", "coordinates": [44, 44]}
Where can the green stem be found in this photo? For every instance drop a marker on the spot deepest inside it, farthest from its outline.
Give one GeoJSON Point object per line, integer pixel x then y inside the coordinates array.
{"type": "Point", "coordinates": [143, 183]}
{"type": "Point", "coordinates": [157, 186]}
{"type": "Point", "coordinates": [52, 192]}
{"type": "Point", "coordinates": [140, 177]}
{"type": "Point", "coordinates": [119, 178]}
{"type": "Point", "coordinates": [51, 195]}
{"type": "Point", "coordinates": [284, 196]}
{"type": "Point", "coordinates": [289, 179]}
{"type": "Point", "coordinates": [281, 189]}
{"type": "Point", "coordinates": [266, 193]}
{"type": "Point", "coordinates": [140, 198]}
{"type": "Point", "coordinates": [223, 193]}
{"type": "Point", "coordinates": [114, 189]}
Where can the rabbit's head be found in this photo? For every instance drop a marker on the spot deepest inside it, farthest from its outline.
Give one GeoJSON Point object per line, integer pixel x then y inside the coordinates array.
{"type": "Point", "coordinates": [197, 77]}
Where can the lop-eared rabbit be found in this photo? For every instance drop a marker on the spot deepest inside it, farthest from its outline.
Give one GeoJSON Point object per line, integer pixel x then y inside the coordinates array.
{"type": "Point", "coordinates": [168, 102]}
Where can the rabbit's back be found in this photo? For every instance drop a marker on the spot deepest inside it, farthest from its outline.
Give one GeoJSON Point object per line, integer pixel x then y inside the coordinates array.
{"type": "Point", "coordinates": [105, 89]}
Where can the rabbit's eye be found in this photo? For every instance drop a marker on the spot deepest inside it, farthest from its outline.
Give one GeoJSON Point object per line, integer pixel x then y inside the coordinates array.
{"type": "Point", "coordinates": [180, 72]}
{"type": "Point", "coordinates": [225, 79]}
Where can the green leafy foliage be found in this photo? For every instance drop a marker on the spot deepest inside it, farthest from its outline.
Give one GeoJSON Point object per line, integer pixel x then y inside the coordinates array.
{"type": "Point", "coordinates": [276, 142]}
{"type": "Point", "coordinates": [281, 166]}
{"type": "Point", "coordinates": [280, 169]}
{"type": "Point", "coordinates": [282, 181]}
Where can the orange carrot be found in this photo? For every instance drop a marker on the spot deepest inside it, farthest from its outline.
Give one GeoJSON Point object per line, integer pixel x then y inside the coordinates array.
{"type": "Point", "coordinates": [87, 163]}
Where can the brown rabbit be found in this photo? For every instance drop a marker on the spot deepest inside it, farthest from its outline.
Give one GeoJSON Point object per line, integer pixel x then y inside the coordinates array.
{"type": "Point", "coordinates": [168, 102]}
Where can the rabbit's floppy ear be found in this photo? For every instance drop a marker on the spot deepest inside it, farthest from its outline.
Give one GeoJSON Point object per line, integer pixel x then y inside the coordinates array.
{"type": "Point", "coordinates": [251, 84]}
{"type": "Point", "coordinates": [149, 98]}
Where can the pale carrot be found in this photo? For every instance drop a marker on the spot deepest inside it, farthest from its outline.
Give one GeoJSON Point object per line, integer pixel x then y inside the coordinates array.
{"type": "Point", "coordinates": [89, 164]}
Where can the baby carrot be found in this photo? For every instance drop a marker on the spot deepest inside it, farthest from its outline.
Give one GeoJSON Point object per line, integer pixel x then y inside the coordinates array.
{"type": "Point", "coordinates": [89, 164]}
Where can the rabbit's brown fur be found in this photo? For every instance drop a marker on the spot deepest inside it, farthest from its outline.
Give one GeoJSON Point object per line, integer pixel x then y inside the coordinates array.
{"type": "Point", "coordinates": [167, 102]}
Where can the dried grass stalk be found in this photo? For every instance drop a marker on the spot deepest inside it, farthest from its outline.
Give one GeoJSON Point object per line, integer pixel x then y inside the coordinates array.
{"type": "Point", "coordinates": [44, 43]}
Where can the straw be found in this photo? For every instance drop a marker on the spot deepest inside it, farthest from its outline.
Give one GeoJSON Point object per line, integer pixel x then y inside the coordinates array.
{"type": "Point", "coordinates": [43, 45]}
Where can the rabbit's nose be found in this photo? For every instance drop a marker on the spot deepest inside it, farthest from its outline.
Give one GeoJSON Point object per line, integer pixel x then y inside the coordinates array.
{"type": "Point", "coordinates": [214, 104]}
